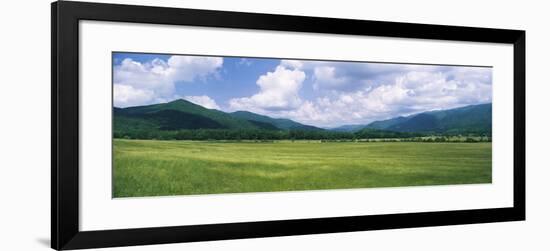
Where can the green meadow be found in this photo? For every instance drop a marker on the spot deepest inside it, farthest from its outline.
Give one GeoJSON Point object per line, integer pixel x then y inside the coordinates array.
{"type": "Point", "coordinates": [159, 168]}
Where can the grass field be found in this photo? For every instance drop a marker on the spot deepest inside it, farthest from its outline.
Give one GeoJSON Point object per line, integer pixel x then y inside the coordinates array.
{"type": "Point", "coordinates": [152, 168]}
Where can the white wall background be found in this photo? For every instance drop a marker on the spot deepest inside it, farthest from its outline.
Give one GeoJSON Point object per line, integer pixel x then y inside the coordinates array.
{"type": "Point", "coordinates": [25, 125]}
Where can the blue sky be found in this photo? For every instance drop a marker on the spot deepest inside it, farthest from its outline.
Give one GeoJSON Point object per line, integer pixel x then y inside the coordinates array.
{"type": "Point", "coordinates": [319, 93]}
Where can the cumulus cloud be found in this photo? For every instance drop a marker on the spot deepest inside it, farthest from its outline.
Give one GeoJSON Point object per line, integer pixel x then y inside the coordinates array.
{"type": "Point", "coordinates": [345, 76]}
{"type": "Point", "coordinates": [125, 95]}
{"type": "Point", "coordinates": [326, 76]}
{"type": "Point", "coordinates": [353, 76]}
{"type": "Point", "coordinates": [137, 83]}
{"type": "Point", "coordinates": [187, 68]}
{"type": "Point", "coordinates": [203, 101]}
{"type": "Point", "coordinates": [359, 93]}
{"type": "Point", "coordinates": [408, 93]}
{"type": "Point", "coordinates": [278, 92]}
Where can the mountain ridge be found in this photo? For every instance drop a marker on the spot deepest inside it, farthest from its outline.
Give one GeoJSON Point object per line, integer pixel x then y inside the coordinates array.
{"type": "Point", "coordinates": [181, 114]}
{"type": "Point", "coordinates": [281, 123]}
{"type": "Point", "coordinates": [466, 119]}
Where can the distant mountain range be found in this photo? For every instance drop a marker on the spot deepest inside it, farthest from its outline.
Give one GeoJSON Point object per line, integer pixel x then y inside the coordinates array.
{"type": "Point", "coordinates": [348, 128]}
{"type": "Point", "coordinates": [283, 124]}
{"type": "Point", "coordinates": [467, 119]}
{"type": "Point", "coordinates": [181, 114]}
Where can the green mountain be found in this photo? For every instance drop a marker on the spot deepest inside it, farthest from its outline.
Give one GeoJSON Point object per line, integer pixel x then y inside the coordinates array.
{"type": "Point", "coordinates": [283, 124]}
{"type": "Point", "coordinates": [181, 114]}
{"type": "Point", "coordinates": [384, 124]}
{"type": "Point", "coordinates": [348, 128]}
{"type": "Point", "coordinates": [175, 115]}
{"type": "Point", "coordinates": [469, 119]}
{"type": "Point", "coordinates": [184, 115]}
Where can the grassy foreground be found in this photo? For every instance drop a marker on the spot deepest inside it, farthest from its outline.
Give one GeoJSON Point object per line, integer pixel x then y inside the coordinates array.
{"type": "Point", "coordinates": [151, 168]}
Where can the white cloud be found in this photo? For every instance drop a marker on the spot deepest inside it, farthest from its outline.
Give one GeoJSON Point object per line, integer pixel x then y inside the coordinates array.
{"type": "Point", "coordinates": [126, 95]}
{"type": "Point", "coordinates": [345, 76]}
{"type": "Point", "coordinates": [187, 68]}
{"type": "Point", "coordinates": [347, 93]}
{"type": "Point", "coordinates": [155, 81]}
{"type": "Point", "coordinates": [411, 92]}
{"type": "Point", "coordinates": [278, 91]}
{"type": "Point", "coordinates": [325, 77]}
{"type": "Point", "coordinates": [203, 101]}
{"type": "Point", "coordinates": [353, 76]}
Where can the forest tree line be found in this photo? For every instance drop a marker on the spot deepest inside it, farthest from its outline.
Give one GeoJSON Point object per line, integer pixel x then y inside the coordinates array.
{"type": "Point", "coordinates": [267, 135]}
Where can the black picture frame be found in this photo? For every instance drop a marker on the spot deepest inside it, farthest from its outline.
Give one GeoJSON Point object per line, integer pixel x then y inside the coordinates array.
{"type": "Point", "coordinates": [65, 233]}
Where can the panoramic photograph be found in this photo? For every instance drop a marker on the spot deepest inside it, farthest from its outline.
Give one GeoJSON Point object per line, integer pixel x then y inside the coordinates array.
{"type": "Point", "coordinates": [197, 125]}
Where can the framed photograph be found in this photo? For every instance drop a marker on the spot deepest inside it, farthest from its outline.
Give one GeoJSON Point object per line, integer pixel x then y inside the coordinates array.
{"type": "Point", "coordinates": [179, 125]}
